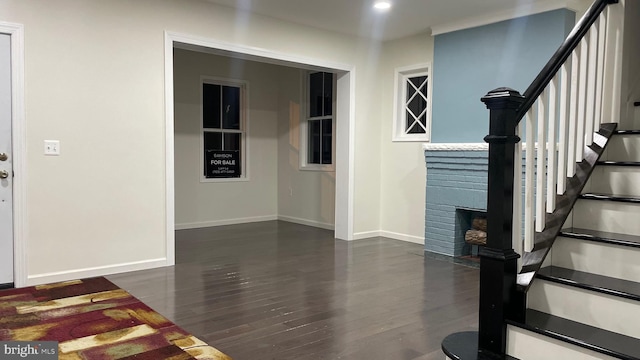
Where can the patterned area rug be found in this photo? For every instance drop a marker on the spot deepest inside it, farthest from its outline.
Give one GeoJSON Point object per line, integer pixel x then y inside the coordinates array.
{"type": "Point", "coordinates": [95, 319]}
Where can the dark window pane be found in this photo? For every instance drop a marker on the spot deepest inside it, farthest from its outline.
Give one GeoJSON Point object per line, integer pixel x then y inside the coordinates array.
{"type": "Point", "coordinates": [212, 141]}
{"type": "Point", "coordinates": [315, 94]}
{"type": "Point", "coordinates": [417, 105]}
{"type": "Point", "coordinates": [412, 126]}
{"type": "Point", "coordinates": [231, 141]}
{"type": "Point", "coordinates": [231, 107]}
{"type": "Point", "coordinates": [328, 94]}
{"type": "Point", "coordinates": [410, 91]}
{"type": "Point", "coordinates": [417, 129]}
{"type": "Point", "coordinates": [314, 142]}
{"type": "Point", "coordinates": [211, 106]}
{"type": "Point", "coordinates": [423, 120]}
{"type": "Point", "coordinates": [327, 135]}
{"type": "Point", "coordinates": [418, 82]}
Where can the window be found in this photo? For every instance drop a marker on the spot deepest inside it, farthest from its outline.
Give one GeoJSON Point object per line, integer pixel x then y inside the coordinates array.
{"type": "Point", "coordinates": [223, 130]}
{"type": "Point", "coordinates": [318, 147]}
{"type": "Point", "coordinates": [412, 118]}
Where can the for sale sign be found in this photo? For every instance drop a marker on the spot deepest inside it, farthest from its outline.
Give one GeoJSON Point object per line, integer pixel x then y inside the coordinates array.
{"type": "Point", "coordinates": [222, 163]}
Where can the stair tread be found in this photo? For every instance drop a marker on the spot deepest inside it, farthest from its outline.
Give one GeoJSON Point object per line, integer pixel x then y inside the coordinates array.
{"type": "Point", "coordinates": [602, 236]}
{"type": "Point", "coordinates": [603, 284]}
{"type": "Point", "coordinates": [618, 163]}
{"type": "Point", "coordinates": [627, 132]}
{"type": "Point", "coordinates": [464, 345]}
{"type": "Point", "coordinates": [590, 337]}
{"type": "Point", "coordinates": [610, 197]}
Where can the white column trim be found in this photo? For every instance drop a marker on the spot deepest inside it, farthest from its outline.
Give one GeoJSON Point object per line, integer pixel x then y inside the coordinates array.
{"type": "Point", "coordinates": [169, 152]}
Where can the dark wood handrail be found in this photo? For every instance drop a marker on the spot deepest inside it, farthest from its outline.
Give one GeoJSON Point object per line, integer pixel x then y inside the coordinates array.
{"type": "Point", "coordinates": [561, 55]}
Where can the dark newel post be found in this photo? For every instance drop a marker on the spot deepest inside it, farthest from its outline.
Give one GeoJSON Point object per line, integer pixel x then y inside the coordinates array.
{"type": "Point", "coordinates": [498, 260]}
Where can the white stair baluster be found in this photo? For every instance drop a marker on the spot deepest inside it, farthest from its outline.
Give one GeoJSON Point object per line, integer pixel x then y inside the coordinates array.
{"type": "Point", "coordinates": [563, 129]}
{"type": "Point", "coordinates": [529, 206]}
{"type": "Point", "coordinates": [573, 113]}
{"type": "Point", "coordinates": [551, 148]}
{"type": "Point", "coordinates": [541, 170]}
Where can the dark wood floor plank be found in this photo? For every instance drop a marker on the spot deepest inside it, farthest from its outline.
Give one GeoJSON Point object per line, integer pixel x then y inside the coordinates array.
{"type": "Point", "coordinates": [276, 290]}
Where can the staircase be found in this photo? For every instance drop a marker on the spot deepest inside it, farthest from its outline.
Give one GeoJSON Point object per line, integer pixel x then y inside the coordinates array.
{"type": "Point", "coordinates": [560, 273]}
{"type": "Point", "coordinates": [585, 300]}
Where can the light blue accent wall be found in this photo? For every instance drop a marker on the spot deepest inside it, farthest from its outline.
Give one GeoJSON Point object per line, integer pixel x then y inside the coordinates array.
{"type": "Point", "coordinates": [469, 63]}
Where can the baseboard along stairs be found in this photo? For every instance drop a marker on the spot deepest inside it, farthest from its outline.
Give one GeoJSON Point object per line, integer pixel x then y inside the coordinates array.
{"type": "Point", "coordinates": [585, 301]}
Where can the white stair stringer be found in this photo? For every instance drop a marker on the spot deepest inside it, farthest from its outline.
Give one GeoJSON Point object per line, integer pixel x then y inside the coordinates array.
{"type": "Point", "coordinates": [610, 216]}
{"type": "Point", "coordinates": [528, 345]}
{"type": "Point", "coordinates": [619, 180]}
{"type": "Point", "coordinates": [613, 260]}
{"type": "Point", "coordinates": [612, 313]}
{"type": "Point", "coordinates": [623, 148]}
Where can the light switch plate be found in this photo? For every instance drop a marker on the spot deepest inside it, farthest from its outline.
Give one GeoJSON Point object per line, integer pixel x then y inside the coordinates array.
{"type": "Point", "coordinates": [52, 147]}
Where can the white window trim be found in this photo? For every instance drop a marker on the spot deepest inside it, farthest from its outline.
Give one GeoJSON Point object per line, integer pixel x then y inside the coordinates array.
{"type": "Point", "coordinates": [304, 129]}
{"type": "Point", "coordinates": [244, 119]}
{"type": "Point", "coordinates": [399, 120]}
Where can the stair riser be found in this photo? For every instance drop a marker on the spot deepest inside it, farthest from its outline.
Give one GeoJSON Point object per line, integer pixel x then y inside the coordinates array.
{"type": "Point", "coordinates": [527, 345]}
{"type": "Point", "coordinates": [620, 262]}
{"type": "Point", "coordinates": [615, 180]}
{"type": "Point", "coordinates": [604, 311]}
{"type": "Point", "coordinates": [610, 216]}
{"type": "Point", "coordinates": [623, 148]}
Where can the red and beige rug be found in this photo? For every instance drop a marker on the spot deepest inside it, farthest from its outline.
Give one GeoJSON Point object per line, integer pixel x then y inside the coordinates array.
{"type": "Point", "coordinates": [95, 319]}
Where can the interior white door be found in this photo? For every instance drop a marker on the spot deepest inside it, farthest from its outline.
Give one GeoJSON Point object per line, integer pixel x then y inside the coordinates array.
{"type": "Point", "coordinates": [6, 171]}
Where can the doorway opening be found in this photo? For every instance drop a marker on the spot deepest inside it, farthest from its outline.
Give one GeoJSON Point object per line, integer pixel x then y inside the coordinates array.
{"type": "Point", "coordinates": [344, 129]}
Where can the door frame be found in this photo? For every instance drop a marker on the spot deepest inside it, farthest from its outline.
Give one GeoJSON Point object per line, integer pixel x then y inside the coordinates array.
{"type": "Point", "coordinates": [18, 138]}
{"type": "Point", "coordinates": [345, 131]}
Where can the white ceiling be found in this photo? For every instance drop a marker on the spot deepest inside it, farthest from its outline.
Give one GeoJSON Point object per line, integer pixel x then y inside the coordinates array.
{"type": "Point", "coordinates": [406, 17]}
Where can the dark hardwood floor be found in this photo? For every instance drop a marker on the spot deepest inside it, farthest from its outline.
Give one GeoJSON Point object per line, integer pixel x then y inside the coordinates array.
{"type": "Point", "coordinates": [276, 290]}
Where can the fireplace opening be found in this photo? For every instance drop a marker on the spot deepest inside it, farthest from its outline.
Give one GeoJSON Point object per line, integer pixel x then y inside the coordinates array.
{"type": "Point", "coordinates": [470, 231]}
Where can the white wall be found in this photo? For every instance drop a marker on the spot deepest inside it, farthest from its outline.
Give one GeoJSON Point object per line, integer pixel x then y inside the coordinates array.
{"type": "Point", "coordinates": [94, 75]}
{"type": "Point", "coordinates": [403, 170]}
{"type": "Point", "coordinates": [306, 197]}
{"type": "Point", "coordinates": [199, 204]}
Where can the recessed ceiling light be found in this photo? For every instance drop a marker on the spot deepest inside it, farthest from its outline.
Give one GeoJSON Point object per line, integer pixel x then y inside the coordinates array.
{"type": "Point", "coordinates": [382, 5]}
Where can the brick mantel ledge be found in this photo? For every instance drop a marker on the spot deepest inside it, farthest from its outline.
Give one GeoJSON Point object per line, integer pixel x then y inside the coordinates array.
{"type": "Point", "coordinates": [455, 147]}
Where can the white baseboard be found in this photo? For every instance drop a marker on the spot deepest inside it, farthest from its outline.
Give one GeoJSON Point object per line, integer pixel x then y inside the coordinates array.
{"type": "Point", "coordinates": [403, 237]}
{"type": "Point", "coordinates": [46, 278]}
{"type": "Point", "coordinates": [365, 235]}
{"type": "Point", "coordinates": [204, 224]}
{"type": "Point", "coordinates": [313, 223]}
{"type": "Point", "coordinates": [388, 234]}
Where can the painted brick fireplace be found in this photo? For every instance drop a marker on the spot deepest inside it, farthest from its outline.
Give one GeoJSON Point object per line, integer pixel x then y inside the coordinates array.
{"type": "Point", "coordinates": [456, 189]}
